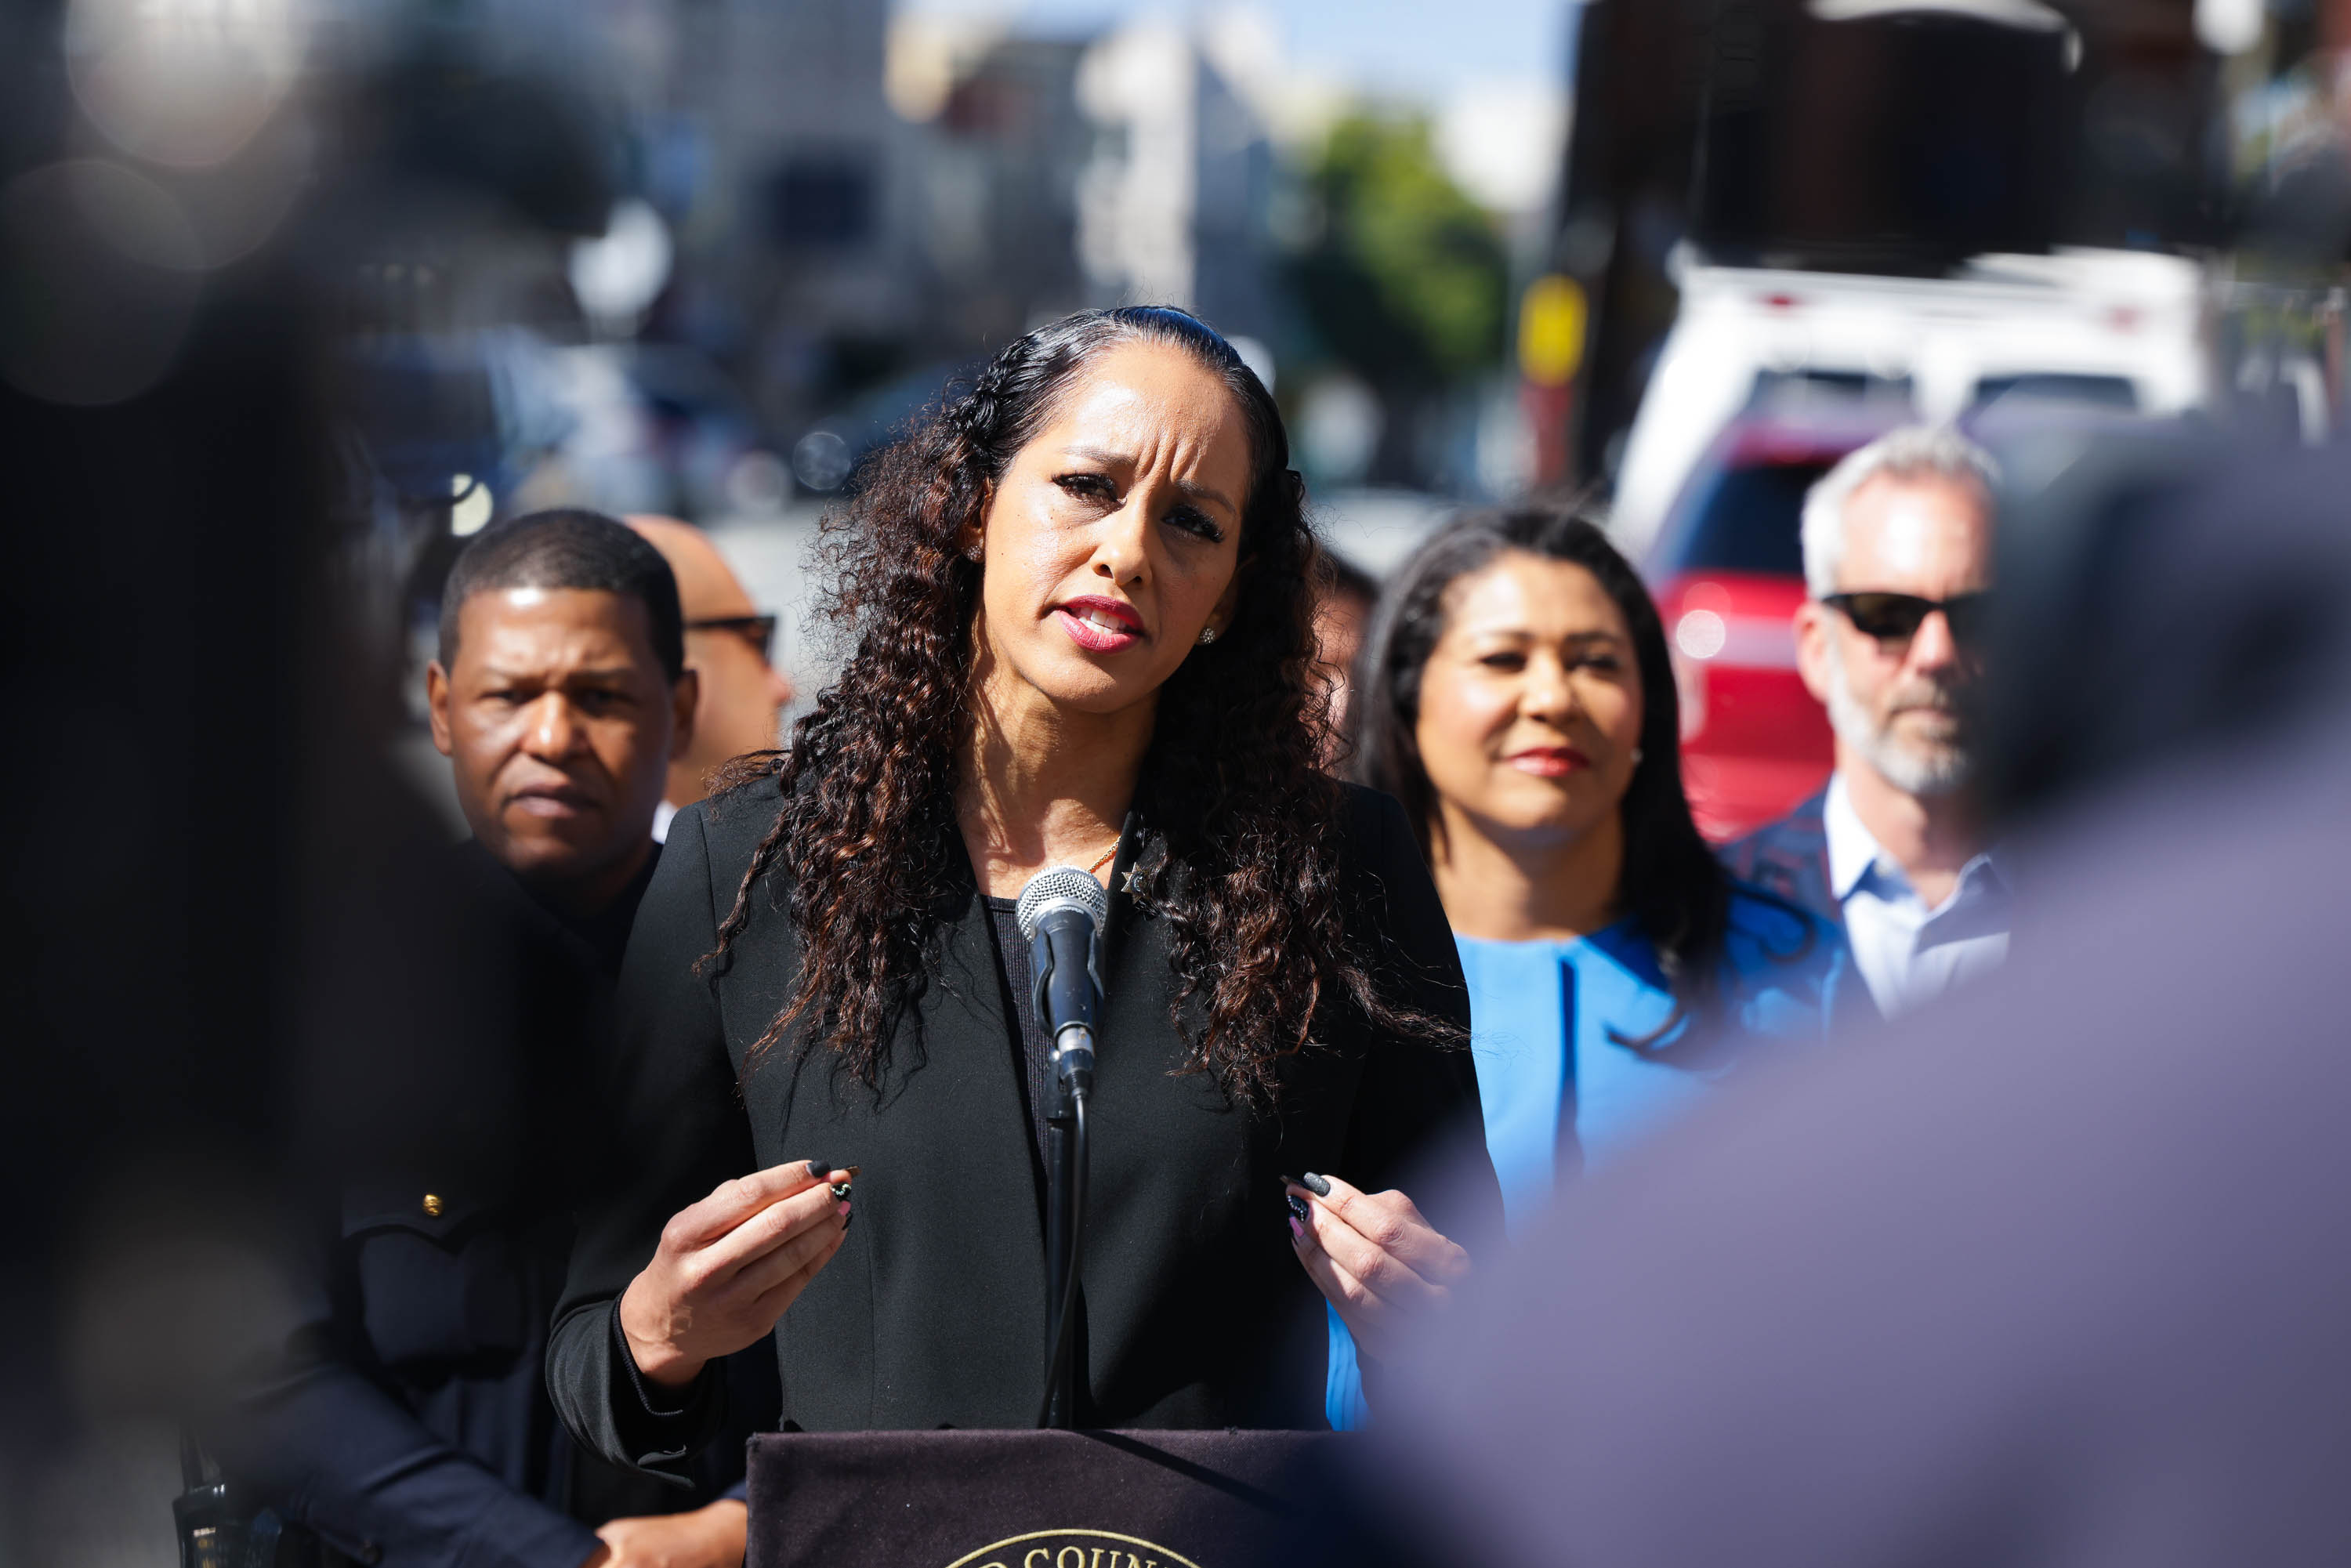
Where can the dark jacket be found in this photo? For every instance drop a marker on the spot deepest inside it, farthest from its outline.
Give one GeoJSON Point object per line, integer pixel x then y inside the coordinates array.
{"type": "Point", "coordinates": [408, 1424]}
{"type": "Point", "coordinates": [1194, 1309]}
{"type": "Point", "coordinates": [1789, 858]}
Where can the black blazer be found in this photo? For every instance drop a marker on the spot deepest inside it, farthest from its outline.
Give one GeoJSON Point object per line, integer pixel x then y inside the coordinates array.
{"type": "Point", "coordinates": [407, 1420]}
{"type": "Point", "coordinates": [1196, 1311]}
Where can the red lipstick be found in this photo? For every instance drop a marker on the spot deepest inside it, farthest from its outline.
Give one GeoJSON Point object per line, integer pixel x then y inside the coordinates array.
{"type": "Point", "coordinates": [1550, 761]}
{"type": "Point", "coordinates": [1099, 625]}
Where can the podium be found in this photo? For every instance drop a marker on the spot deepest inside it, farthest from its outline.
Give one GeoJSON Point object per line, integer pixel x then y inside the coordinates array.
{"type": "Point", "coordinates": [1031, 1499]}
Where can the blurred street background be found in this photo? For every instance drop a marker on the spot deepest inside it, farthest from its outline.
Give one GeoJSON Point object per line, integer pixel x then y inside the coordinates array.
{"type": "Point", "coordinates": [1689, 252]}
{"type": "Point", "coordinates": [310, 291]}
{"type": "Point", "coordinates": [822, 213]}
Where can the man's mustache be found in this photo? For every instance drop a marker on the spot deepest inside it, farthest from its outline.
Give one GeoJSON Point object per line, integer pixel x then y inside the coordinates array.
{"type": "Point", "coordinates": [1927, 696]}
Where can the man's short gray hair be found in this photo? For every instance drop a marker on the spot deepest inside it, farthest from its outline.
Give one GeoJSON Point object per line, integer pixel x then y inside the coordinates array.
{"type": "Point", "coordinates": [1914, 452]}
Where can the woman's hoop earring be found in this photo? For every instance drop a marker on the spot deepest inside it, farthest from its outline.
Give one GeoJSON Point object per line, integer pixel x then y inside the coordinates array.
{"type": "Point", "coordinates": [1207, 635]}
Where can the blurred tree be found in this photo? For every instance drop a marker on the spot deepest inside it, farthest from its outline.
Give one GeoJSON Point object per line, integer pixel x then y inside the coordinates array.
{"type": "Point", "coordinates": [1399, 275]}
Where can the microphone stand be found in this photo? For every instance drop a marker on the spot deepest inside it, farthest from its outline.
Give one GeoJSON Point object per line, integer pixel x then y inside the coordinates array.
{"type": "Point", "coordinates": [1060, 914]}
{"type": "Point", "coordinates": [1065, 1211]}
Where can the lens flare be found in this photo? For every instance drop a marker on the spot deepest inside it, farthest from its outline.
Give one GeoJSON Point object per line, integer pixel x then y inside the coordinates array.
{"type": "Point", "coordinates": [183, 83]}
{"type": "Point", "coordinates": [107, 268]}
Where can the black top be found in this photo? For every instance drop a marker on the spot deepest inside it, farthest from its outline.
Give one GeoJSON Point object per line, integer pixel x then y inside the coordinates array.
{"type": "Point", "coordinates": [1032, 1048]}
{"type": "Point", "coordinates": [932, 1313]}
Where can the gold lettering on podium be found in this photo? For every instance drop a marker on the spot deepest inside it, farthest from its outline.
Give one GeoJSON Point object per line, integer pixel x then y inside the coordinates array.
{"type": "Point", "coordinates": [1078, 1548]}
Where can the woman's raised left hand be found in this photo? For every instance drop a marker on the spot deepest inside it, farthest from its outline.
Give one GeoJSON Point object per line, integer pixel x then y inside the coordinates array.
{"type": "Point", "coordinates": [1373, 1257]}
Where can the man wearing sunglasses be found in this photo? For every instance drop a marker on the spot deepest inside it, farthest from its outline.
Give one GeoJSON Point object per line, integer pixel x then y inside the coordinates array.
{"type": "Point", "coordinates": [1897, 544]}
{"type": "Point", "coordinates": [729, 645]}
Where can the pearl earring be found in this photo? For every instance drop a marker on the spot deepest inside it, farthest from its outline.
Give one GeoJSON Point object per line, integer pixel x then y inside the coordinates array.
{"type": "Point", "coordinates": [1207, 635]}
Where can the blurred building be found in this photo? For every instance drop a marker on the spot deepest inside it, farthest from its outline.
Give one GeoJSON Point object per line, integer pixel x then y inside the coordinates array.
{"type": "Point", "coordinates": [1001, 157]}
{"type": "Point", "coordinates": [2282, 311]}
{"type": "Point", "coordinates": [1174, 204]}
{"type": "Point", "coordinates": [831, 209]}
{"type": "Point", "coordinates": [781, 152]}
{"type": "Point", "coordinates": [1058, 173]}
{"type": "Point", "coordinates": [863, 203]}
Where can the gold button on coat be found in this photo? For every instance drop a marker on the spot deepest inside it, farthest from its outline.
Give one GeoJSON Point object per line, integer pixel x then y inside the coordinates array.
{"type": "Point", "coordinates": [433, 1205]}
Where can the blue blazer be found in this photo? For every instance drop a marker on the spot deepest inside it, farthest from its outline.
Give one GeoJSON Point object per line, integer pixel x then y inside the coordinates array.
{"type": "Point", "coordinates": [1561, 1086]}
{"type": "Point", "coordinates": [1791, 858]}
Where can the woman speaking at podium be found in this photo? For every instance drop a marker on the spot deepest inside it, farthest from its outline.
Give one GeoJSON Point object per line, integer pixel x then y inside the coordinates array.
{"type": "Point", "coordinates": [1079, 601]}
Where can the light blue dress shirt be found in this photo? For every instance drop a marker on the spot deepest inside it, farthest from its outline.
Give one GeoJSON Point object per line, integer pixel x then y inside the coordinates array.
{"type": "Point", "coordinates": [1908, 954]}
{"type": "Point", "coordinates": [1566, 1086]}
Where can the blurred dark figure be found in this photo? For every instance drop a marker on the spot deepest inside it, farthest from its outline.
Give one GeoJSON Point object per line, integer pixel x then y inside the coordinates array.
{"type": "Point", "coordinates": [225, 920]}
{"type": "Point", "coordinates": [1898, 566]}
{"type": "Point", "coordinates": [2064, 1284]}
{"type": "Point", "coordinates": [1343, 600]}
{"type": "Point", "coordinates": [411, 1426]}
{"type": "Point", "coordinates": [190, 744]}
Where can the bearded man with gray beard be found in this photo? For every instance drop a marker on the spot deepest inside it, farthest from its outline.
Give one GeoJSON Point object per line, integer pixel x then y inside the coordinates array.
{"type": "Point", "coordinates": [1897, 558]}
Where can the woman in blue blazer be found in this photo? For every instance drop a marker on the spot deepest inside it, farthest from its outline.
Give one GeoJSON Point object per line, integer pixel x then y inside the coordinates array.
{"type": "Point", "coordinates": [1519, 699]}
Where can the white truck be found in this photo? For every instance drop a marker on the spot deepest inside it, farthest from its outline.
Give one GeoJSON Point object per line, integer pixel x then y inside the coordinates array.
{"type": "Point", "coordinates": [2123, 330]}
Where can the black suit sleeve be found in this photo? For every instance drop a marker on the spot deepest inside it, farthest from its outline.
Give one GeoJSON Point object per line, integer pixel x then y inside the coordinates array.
{"type": "Point", "coordinates": [331, 1448]}
{"type": "Point", "coordinates": [1418, 1125]}
{"type": "Point", "coordinates": [681, 1132]}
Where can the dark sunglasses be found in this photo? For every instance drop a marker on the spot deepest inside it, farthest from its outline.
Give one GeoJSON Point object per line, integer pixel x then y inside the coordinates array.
{"type": "Point", "coordinates": [1896, 617]}
{"type": "Point", "coordinates": [760, 631]}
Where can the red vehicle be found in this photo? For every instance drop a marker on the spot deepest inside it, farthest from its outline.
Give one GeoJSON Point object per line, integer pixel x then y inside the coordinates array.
{"type": "Point", "coordinates": [1728, 571]}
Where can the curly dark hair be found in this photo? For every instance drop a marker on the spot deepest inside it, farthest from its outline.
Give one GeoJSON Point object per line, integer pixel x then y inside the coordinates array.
{"type": "Point", "coordinates": [1671, 883]}
{"type": "Point", "coordinates": [1241, 855]}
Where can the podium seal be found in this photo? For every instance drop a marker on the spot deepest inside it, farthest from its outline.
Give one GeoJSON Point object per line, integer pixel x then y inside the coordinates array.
{"type": "Point", "coordinates": [1072, 1549]}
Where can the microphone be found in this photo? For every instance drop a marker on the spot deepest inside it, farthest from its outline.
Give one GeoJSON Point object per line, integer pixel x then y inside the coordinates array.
{"type": "Point", "coordinates": [1060, 914]}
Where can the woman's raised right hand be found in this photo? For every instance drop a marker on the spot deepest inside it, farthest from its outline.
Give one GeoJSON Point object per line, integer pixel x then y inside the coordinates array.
{"type": "Point", "coordinates": [728, 1265]}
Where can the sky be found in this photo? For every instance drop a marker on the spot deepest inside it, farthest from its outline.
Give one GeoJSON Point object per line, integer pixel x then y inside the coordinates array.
{"type": "Point", "coordinates": [1431, 51]}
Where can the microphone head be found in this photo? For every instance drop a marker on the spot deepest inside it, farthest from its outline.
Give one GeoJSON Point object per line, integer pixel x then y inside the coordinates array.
{"type": "Point", "coordinates": [1060, 887]}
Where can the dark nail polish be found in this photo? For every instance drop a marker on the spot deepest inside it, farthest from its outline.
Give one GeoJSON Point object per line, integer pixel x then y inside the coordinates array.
{"type": "Point", "coordinates": [817, 1169]}
{"type": "Point", "coordinates": [1289, 1181]}
{"type": "Point", "coordinates": [1298, 1209]}
{"type": "Point", "coordinates": [1319, 1186]}
{"type": "Point", "coordinates": [847, 1220]}
{"type": "Point", "coordinates": [841, 1190]}
{"type": "Point", "coordinates": [853, 1171]}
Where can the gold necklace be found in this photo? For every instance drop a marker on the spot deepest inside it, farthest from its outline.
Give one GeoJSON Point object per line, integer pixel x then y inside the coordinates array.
{"type": "Point", "coordinates": [1107, 857]}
